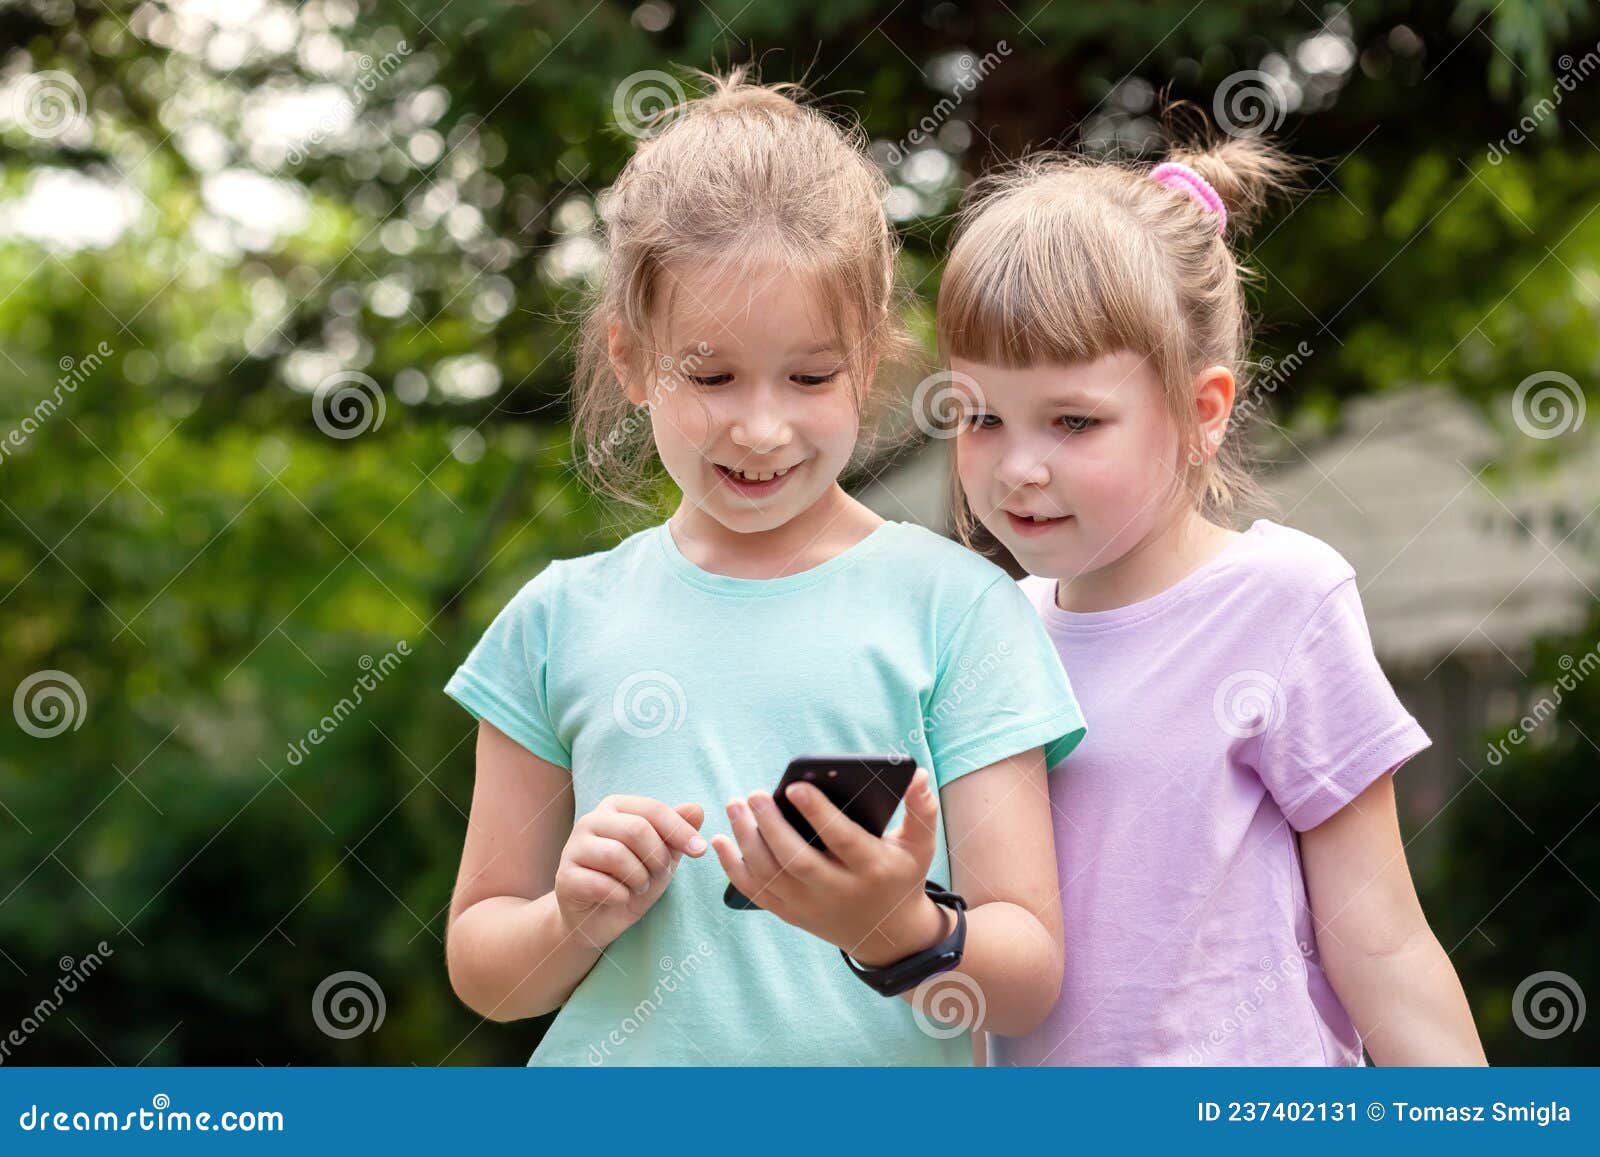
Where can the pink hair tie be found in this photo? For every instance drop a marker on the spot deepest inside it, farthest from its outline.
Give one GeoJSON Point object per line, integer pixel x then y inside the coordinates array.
{"type": "Point", "coordinates": [1176, 175]}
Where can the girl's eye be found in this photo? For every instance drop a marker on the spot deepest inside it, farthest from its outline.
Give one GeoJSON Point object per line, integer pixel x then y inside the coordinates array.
{"type": "Point", "coordinates": [816, 379]}
{"type": "Point", "coordinates": [978, 422]}
{"type": "Point", "coordinates": [711, 379]}
{"type": "Point", "coordinates": [1078, 424]}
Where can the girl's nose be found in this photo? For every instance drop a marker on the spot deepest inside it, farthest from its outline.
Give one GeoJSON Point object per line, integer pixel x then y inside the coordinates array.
{"type": "Point", "coordinates": [1019, 468]}
{"type": "Point", "coordinates": [760, 432]}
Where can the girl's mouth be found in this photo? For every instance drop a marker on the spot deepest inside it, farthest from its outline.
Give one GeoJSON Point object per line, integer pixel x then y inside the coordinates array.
{"type": "Point", "coordinates": [1031, 527]}
{"type": "Point", "coordinates": [755, 484]}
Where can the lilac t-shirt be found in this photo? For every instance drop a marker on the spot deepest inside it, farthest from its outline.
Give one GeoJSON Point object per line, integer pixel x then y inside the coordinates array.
{"type": "Point", "coordinates": [1239, 707]}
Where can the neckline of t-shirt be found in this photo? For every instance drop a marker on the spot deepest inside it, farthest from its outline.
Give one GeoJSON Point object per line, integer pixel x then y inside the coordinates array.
{"type": "Point", "coordinates": [1118, 617]}
{"type": "Point", "coordinates": [723, 584]}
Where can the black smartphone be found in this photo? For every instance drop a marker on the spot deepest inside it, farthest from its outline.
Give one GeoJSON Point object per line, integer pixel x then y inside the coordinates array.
{"type": "Point", "coordinates": [867, 788]}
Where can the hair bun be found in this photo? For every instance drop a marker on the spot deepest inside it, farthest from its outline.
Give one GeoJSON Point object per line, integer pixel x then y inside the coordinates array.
{"type": "Point", "coordinates": [1245, 171]}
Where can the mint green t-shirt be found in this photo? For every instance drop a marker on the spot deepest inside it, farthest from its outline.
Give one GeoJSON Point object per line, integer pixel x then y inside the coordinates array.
{"type": "Point", "coordinates": [646, 675]}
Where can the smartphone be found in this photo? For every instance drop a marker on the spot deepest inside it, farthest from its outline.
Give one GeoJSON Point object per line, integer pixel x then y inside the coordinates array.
{"type": "Point", "coordinates": [867, 788]}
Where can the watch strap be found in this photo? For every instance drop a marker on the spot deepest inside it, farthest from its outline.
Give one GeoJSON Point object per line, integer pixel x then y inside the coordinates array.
{"type": "Point", "coordinates": [903, 975]}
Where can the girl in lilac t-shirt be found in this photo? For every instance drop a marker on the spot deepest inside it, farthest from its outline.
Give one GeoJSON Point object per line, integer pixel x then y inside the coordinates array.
{"type": "Point", "coordinates": [1233, 881]}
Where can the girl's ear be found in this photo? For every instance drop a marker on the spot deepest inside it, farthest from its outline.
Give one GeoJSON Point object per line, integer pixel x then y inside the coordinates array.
{"type": "Point", "coordinates": [622, 364]}
{"type": "Point", "coordinates": [1213, 405]}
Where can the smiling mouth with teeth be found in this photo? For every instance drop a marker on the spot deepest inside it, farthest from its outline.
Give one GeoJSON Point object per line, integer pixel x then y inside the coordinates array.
{"type": "Point", "coordinates": [1034, 523]}
{"type": "Point", "coordinates": [751, 476]}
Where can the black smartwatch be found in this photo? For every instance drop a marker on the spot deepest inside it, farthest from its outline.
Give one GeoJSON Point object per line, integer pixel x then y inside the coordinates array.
{"type": "Point", "coordinates": [903, 975]}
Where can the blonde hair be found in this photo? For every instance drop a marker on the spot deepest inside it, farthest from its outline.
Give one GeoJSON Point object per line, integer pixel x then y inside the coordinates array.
{"type": "Point", "coordinates": [743, 174]}
{"type": "Point", "coordinates": [1065, 258]}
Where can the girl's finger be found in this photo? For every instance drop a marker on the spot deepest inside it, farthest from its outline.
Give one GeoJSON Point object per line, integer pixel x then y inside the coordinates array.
{"type": "Point", "coordinates": [639, 835]}
{"type": "Point", "coordinates": [737, 871]}
{"type": "Point", "coordinates": [752, 848]}
{"type": "Point", "coordinates": [771, 888]}
{"type": "Point", "coordinates": [587, 886]}
{"type": "Point", "coordinates": [696, 816]}
{"type": "Point", "coordinates": [840, 834]}
{"type": "Point", "coordinates": [615, 860]}
{"type": "Point", "coordinates": [917, 831]}
{"type": "Point", "coordinates": [795, 857]}
{"type": "Point", "coordinates": [668, 822]}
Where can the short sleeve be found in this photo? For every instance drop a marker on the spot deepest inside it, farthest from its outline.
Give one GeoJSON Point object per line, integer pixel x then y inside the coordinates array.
{"type": "Point", "coordinates": [1000, 689]}
{"type": "Point", "coordinates": [502, 681]}
{"type": "Point", "coordinates": [1336, 724]}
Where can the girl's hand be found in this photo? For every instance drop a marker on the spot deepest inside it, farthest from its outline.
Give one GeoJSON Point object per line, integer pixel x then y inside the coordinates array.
{"type": "Point", "coordinates": [619, 860]}
{"type": "Point", "coordinates": [862, 893]}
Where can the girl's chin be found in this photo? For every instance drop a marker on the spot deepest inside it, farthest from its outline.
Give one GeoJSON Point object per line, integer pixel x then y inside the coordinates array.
{"type": "Point", "coordinates": [1046, 554]}
{"type": "Point", "coordinates": [746, 517]}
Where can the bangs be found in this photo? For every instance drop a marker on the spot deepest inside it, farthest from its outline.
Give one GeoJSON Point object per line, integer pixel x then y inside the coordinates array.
{"type": "Point", "coordinates": [1048, 275]}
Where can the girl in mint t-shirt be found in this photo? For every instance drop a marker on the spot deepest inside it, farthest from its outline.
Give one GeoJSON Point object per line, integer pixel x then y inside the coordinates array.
{"type": "Point", "coordinates": [1234, 887]}
{"type": "Point", "coordinates": [636, 701]}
